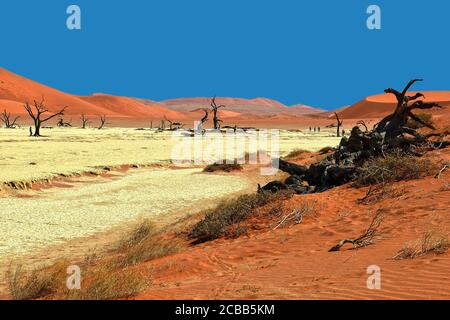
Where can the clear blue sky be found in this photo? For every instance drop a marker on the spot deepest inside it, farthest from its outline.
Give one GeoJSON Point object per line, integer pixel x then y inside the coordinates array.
{"type": "Point", "coordinates": [318, 53]}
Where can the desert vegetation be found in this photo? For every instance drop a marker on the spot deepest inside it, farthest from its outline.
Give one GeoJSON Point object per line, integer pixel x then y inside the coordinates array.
{"type": "Point", "coordinates": [9, 121]}
{"type": "Point", "coordinates": [228, 213]}
{"type": "Point", "coordinates": [226, 167]}
{"type": "Point", "coordinates": [37, 115]}
{"type": "Point", "coordinates": [430, 242]}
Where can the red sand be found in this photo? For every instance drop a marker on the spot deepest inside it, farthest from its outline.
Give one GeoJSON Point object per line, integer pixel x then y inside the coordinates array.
{"type": "Point", "coordinates": [294, 262]}
{"type": "Point", "coordinates": [380, 105]}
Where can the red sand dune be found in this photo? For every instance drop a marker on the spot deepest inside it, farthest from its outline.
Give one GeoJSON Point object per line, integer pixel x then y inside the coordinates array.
{"type": "Point", "coordinates": [259, 106]}
{"type": "Point", "coordinates": [380, 105]}
{"type": "Point", "coordinates": [15, 88]}
{"type": "Point", "coordinates": [133, 107]}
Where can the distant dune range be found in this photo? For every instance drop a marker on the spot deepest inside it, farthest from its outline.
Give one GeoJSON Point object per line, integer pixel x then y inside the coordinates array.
{"type": "Point", "coordinates": [15, 90]}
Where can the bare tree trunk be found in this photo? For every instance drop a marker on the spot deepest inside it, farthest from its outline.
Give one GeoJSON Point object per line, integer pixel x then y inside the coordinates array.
{"type": "Point", "coordinates": [37, 118]}
{"type": "Point", "coordinates": [215, 109]}
{"type": "Point", "coordinates": [102, 122]}
{"type": "Point", "coordinates": [339, 124]}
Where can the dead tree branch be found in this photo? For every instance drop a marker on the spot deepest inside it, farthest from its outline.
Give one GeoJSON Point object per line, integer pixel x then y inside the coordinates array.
{"type": "Point", "coordinates": [6, 119]}
{"type": "Point", "coordinates": [215, 109]}
{"type": "Point", "coordinates": [84, 121]}
{"type": "Point", "coordinates": [366, 238]}
{"type": "Point", "coordinates": [40, 109]}
{"type": "Point", "coordinates": [102, 122]}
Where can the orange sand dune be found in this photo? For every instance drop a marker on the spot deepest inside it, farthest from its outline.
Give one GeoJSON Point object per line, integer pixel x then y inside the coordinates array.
{"type": "Point", "coordinates": [380, 105]}
{"type": "Point", "coordinates": [133, 107]}
{"type": "Point", "coordinates": [260, 106]}
{"type": "Point", "coordinates": [19, 89]}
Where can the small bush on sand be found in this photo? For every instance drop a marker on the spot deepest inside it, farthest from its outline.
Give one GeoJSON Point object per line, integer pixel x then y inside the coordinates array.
{"type": "Point", "coordinates": [105, 284]}
{"type": "Point", "coordinates": [142, 231]}
{"type": "Point", "coordinates": [222, 167]}
{"type": "Point", "coordinates": [295, 153]}
{"type": "Point", "coordinates": [35, 284]}
{"type": "Point", "coordinates": [393, 167]}
{"type": "Point", "coordinates": [431, 242]}
{"type": "Point", "coordinates": [151, 248]}
{"type": "Point", "coordinates": [425, 117]}
{"type": "Point", "coordinates": [230, 212]}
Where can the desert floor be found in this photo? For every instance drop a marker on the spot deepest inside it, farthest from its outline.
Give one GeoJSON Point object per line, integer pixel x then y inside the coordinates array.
{"type": "Point", "coordinates": [72, 185]}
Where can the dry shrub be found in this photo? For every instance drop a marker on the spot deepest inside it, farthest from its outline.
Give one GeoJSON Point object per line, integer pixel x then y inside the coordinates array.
{"type": "Point", "coordinates": [142, 231]}
{"type": "Point", "coordinates": [36, 284]}
{"type": "Point", "coordinates": [392, 168]}
{"type": "Point", "coordinates": [230, 212]}
{"type": "Point", "coordinates": [431, 242]}
{"type": "Point", "coordinates": [106, 284]}
{"type": "Point", "coordinates": [379, 192]}
{"type": "Point", "coordinates": [367, 237]}
{"type": "Point", "coordinates": [296, 215]}
{"type": "Point", "coordinates": [295, 153]}
{"type": "Point", "coordinates": [227, 167]}
{"type": "Point", "coordinates": [151, 248]}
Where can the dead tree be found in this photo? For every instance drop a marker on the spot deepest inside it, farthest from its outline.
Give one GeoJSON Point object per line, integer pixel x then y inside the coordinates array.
{"type": "Point", "coordinates": [366, 238]}
{"type": "Point", "coordinates": [102, 122]}
{"type": "Point", "coordinates": [339, 124]}
{"type": "Point", "coordinates": [84, 121]}
{"type": "Point", "coordinates": [394, 126]}
{"type": "Point", "coordinates": [37, 117]}
{"type": "Point", "coordinates": [6, 119]}
{"type": "Point", "coordinates": [215, 109]}
{"type": "Point", "coordinates": [203, 120]}
{"type": "Point", "coordinates": [62, 123]}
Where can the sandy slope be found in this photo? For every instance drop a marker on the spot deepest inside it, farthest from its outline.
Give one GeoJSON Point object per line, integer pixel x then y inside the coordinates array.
{"type": "Point", "coordinates": [381, 105]}
{"type": "Point", "coordinates": [293, 263]}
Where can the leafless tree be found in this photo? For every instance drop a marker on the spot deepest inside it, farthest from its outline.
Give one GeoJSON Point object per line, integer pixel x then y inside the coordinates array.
{"type": "Point", "coordinates": [394, 125]}
{"type": "Point", "coordinates": [339, 124]}
{"type": "Point", "coordinates": [62, 123]}
{"type": "Point", "coordinates": [215, 109]}
{"type": "Point", "coordinates": [202, 121]}
{"type": "Point", "coordinates": [102, 122]}
{"type": "Point", "coordinates": [40, 111]}
{"type": "Point", "coordinates": [6, 119]}
{"type": "Point", "coordinates": [84, 121]}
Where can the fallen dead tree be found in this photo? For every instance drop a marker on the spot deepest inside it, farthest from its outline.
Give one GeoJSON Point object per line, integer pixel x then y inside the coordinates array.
{"type": "Point", "coordinates": [366, 238]}
{"type": "Point", "coordinates": [390, 136]}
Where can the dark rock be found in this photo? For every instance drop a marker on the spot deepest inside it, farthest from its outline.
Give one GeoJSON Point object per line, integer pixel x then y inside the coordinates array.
{"type": "Point", "coordinates": [273, 186]}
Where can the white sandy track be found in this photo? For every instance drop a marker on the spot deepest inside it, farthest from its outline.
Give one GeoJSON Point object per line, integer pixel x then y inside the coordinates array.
{"type": "Point", "coordinates": [57, 215]}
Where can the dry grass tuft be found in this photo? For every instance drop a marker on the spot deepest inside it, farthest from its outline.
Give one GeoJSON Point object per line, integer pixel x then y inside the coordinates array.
{"type": "Point", "coordinates": [142, 231]}
{"type": "Point", "coordinates": [394, 167]}
{"type": "Point", "coordinates": [36, 284]}
{"type": "Point", "coordinates": [431, 242]}
{"type": "Point", "coordinates": [231, 212]}
{"type": "Point", "coordinates": [151, 248]}
{"type": "Point", "coordinates": [226, 167]}
{"type": "Point", "coordinates": [107, 284]}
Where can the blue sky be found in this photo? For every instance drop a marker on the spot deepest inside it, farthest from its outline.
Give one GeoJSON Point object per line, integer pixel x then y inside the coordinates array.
{"type": "Point", "coordinates": [318, 53]}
